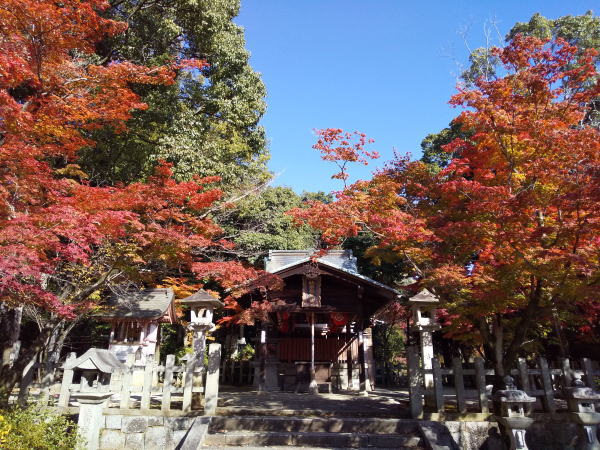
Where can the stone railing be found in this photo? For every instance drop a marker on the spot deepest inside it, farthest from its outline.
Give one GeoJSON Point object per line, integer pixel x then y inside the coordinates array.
{"type": "Point", "coordinates": [466, 391]}
{"type": "Point", "coordinates": [170, 388]}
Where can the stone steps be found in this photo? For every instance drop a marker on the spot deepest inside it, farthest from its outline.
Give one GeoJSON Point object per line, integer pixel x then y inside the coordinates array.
{"type": "Point", "coordinates": [314, 424]}
{"type": "Point", "coordinates": [254, 411]}
{"type": "Point", "coordinates": [262, 431]}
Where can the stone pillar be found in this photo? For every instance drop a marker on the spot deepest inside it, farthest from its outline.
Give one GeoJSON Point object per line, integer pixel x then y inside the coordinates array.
{"type": "Point", "coordinates": [426, 343]}
{"type": "Point", "coordinates": [343, 375]}
{"type": "Point", "coordinates": [212, 379]}
{"type": "Point", "coordinates": [271, 376]}
{"type": "Point", "coordinates": [364, 383]}
{"type": "Point", "coordinates": [265, 370]}
{"type": "Point", "coordinates": [262, 349]}
{"type": "Point", "coordinates": [90, 416]}
{"type": "Point", "coordinates": [350, 385]}
{"type": "Point", "coordinates": [313, 387]}
{"type": "Point", "coordinates": [354, 381]}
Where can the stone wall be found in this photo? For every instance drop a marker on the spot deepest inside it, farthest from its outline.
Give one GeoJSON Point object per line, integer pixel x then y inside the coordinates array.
{"type": "Point", "coordinates": [546, 433]}
{"type": "Point", "coordinates": [556, 433]}
{"type": "Point", "coordinates": [143, 432]}
{"type": "Point", "coordinates": [463, 435]}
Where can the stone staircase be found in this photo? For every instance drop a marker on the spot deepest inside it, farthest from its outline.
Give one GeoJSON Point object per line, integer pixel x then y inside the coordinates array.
{"type": "Point", "coordinates": [313, 432]}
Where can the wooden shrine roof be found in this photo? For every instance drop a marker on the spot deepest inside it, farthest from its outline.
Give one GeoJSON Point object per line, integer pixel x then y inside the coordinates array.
{"type": "Point", "coordinates": [344, 289]}
{"type": "Point", "coordinates": [345, 272]}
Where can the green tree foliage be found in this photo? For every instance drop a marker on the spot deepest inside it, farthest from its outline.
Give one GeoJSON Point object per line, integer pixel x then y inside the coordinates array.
{"type": "Point", "coordinates": [582, 31]}
{"type": "Point", "coordinates": [379, 264]}
{"type": "Point", "coordinates": [205, 124]}
{"type": "Point", "coordinates": [388, 343]}
{"type": "Point", "coordinates": [433, 146]}
{"type": "Point", "coordinates": [258, 223]}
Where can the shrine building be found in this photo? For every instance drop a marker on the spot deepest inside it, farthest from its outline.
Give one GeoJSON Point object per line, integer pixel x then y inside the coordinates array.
{"type": "Point", "coordinates": [319, 332]}
{"type": "Point", "coordinates": [135, 318]}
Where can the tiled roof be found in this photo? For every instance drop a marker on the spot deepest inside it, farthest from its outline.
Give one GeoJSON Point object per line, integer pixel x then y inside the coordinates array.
{"type": "Point", "coordinates": [146, 304]}
{"type": "Point", "coordinates": [281, 258]}
{"type": "Point", "coordinates": [103, 360]}
{"type": "Point", "coordinates": [350, 271]}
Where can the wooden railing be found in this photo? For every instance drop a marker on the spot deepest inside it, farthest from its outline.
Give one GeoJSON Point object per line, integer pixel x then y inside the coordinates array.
{"type": "Point", "coordinates": [298, 349]}
{"type": "Point", "coordinates": [460, 390]}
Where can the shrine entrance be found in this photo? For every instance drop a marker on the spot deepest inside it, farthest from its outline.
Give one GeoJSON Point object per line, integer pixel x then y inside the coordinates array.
{"type": "Point", "coordinates": [318, 337]}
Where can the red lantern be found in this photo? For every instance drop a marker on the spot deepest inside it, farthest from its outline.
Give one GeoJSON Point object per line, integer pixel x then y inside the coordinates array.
{"type": "Point", "coordinates": [337, 321]}
{"type": "Point", "coordinates": [283, 322]}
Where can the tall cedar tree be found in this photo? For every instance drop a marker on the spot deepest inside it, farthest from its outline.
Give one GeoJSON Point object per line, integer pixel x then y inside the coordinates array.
{"type": "Point", "coordinates": [206, 123]}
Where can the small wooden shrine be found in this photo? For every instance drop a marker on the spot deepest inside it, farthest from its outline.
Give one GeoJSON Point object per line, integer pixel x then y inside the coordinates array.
{"type": "Point", "coordinates": [319, 331]}
{"type": "Point", "coordinates": [136, 319]}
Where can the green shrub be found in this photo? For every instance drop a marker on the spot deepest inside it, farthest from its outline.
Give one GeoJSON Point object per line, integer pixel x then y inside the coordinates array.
{"type": "Point", "coordinates": [37, 428]}
{"type": "Point", "coordinates": [246, 353]}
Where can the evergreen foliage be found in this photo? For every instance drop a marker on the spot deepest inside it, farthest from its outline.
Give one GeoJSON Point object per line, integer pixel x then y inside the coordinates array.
{"type": "Point", "coordinates": [207, 122]}
{"type": "Point", "coordinates": [258, 223]}
{"type": "Point", "coordinates": [37, 428]}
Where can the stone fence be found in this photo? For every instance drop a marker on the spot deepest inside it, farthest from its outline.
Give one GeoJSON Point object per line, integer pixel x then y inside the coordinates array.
{"type": "Point", "coordinates": [131, 406]}
{"type": "Point", "coordinates": [457, 391]}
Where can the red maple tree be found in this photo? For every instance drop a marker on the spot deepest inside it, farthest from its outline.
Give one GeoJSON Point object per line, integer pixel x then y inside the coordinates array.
{"type": "Point", "coordinates": [507, 234]}
{"type": "Point", "coordinates": [62, 238]}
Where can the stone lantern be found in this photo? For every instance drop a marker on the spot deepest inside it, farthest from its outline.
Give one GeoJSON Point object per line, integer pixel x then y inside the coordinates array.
{"type": "Point", "coordinates": [511, 403]}
{"type": "Point", "coordinates": [580, 401]}
{"type": "Point", "coordinates": [96, 367]}
{"type": "Point", "coordinates": [202, 306]}
{"type": "Point", "coordinates": [423, 306]}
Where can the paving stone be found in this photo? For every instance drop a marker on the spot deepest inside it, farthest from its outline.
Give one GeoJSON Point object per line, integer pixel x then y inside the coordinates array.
{"type": "Point", "coordinates": [134, 441]}
{"type": "Point", "coordinates": [473, 435]}
{"type": "Point", "coordinates": [112, 439]}
{"type": "Point", "coordinates": [158, 438]}
{"type": "Point", "coordinates": [156, 421]}
{"type": "Point", "coordinates": [393, 441]}
{"type": "Point", "coordinates": [178, 435]}
{"type": "Point", "coordinates": [196, 434]}
{"type": "Point", "coordinates": [380, 404]}
{"type": "Point", "coordinates": [179, 423]}
{"type": "Point", "coordinates": [134, 424]}
{"type": "Point", "coordinates": [114, 422]}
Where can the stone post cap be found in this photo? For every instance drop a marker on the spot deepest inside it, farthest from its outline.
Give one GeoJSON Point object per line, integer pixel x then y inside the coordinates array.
{"type": "Point", "coordinates": [91, 398]}
{"type": "Point", "coordinates": [96, 359]}
{"type": "Point", "coordinates": [511, 394]}
{"type": "Point", "coordinates": [579, 391]}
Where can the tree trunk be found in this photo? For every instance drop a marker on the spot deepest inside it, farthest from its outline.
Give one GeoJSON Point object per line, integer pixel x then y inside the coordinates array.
{"type": "Point", "coordinates": [53, 350]}
{"type": "Point", "coordinates": [10, 374]}
{"type": "Point", "coordinates": [503, 355]}
{"type": "Point", "coordinates": [10, 330]}
{"type": "Point", "coordinates": [45, 349]}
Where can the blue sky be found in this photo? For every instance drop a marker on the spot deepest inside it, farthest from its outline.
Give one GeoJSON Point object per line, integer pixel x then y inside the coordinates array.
{"type": "Point", "coordinates": [386, 68]}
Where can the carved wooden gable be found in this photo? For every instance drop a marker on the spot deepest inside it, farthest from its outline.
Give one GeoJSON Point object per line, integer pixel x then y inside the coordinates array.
{"type": "Point", "coordinates": [311, 287]}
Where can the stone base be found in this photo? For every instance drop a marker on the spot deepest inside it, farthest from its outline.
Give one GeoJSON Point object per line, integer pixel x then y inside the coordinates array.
{"type": "Point", "coordinates": [271, 376]}
{"type": "Point", "coordinates": [144, 432]}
